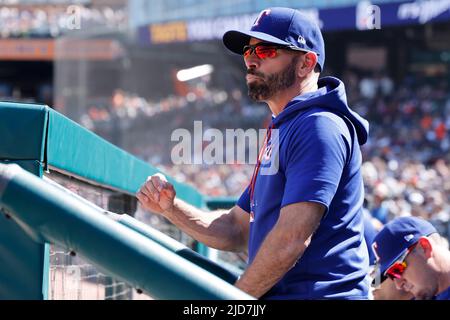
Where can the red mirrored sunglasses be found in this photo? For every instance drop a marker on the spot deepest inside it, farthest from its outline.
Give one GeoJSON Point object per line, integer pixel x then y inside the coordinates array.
{"type": "Point", "coordinates": [262, 50]}
{"type": "Point", "coordinates": [396, 270]}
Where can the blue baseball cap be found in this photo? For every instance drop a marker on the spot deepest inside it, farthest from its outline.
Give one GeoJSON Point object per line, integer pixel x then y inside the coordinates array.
{"type": "Point", "coordinates": [396, 237]}
{"type": "Point", "coordinates": [283, 26]}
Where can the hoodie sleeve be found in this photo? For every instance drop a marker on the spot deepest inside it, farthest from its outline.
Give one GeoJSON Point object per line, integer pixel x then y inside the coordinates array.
{"type": "Point", "coordinates": [315, 158]}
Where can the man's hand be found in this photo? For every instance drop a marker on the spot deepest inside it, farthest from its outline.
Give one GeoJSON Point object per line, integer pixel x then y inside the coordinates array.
{"type": "Point", "coordinates": [157, 194]}
{"type": "Point", "coordinates": [221, 229]}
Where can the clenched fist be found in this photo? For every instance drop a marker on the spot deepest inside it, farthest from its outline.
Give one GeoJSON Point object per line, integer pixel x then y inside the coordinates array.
{"type": "Point", "coordinates": [156, 194]}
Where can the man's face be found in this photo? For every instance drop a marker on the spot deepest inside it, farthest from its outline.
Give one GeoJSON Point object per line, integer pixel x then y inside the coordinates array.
{"type": "Point", "coordinates": [418, 278]}
{"type": "Point", "coordinates": [266, 77]}
{"type": "Point", "coordinates": [388, 291]}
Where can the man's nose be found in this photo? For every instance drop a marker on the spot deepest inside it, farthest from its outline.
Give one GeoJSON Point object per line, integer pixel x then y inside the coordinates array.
{"type": "Point", "coordinates": [252, 61]}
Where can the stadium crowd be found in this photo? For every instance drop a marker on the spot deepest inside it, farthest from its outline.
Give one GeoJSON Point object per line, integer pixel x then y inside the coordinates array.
{"type": "Point", "coordinates": [53, 21]}
{"type": "Point", "coordinates": [406, 161]}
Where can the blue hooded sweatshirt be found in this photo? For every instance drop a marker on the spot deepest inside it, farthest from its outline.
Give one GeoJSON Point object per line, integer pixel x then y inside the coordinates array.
{"type": "Point", "coordinates": [314, 156]}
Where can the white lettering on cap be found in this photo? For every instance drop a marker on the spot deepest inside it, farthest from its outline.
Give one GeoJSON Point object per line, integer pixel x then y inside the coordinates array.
{"type": "Point", "coordinates": [301, 40]}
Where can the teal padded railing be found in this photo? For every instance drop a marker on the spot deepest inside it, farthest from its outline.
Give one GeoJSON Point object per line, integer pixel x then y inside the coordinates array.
{"type": "Point", "coordinates": [38, 138]}
{"type": "Point", "coordinates": [82, 153]}
{"type": "Point", "coordinates": [51, 215]}
{"type": "Point", "coordinates": [175, 246]}
{"type": "Point", "coordinates": [23, 134]}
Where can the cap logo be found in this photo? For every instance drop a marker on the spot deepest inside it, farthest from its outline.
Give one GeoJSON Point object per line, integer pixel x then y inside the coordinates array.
{"type": "Point", "coordinates": [408, 237]}
{"type": "Point", "coordinates": [261, 15]}
{"type": "Point", "coordinates": [301, 40]}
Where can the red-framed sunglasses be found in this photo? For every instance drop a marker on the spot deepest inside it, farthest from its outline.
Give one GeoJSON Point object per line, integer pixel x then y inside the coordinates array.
{"type": "Point", "coordinates": [262, 50]}
{"type": "Point", "coordinates": [396, 270]}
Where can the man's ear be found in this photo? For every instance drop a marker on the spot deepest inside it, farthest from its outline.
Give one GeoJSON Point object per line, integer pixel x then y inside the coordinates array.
{"type": "Point", "coordinates": [307, 64]}
{"type": "Point", "coordinates": [426, 246]}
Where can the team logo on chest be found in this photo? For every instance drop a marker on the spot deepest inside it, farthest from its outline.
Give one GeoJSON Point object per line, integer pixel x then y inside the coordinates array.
{"type": "Point", "coordinates": [268, 153]}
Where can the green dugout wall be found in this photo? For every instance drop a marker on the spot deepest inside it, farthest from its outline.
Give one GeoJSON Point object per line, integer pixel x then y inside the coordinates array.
{"type": "Point", "coordinates": [39, 140]}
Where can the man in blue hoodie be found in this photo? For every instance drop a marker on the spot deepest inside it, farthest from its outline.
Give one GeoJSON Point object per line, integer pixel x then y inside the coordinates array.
{"type": "Point", "coordinates": [301, 216]}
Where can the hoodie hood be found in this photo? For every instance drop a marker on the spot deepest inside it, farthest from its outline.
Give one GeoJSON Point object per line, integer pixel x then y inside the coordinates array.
{"type": "Point", "coordinates": [330, 96]}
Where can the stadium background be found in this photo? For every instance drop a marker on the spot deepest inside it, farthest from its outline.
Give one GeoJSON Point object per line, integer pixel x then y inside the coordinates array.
{"type": "Point", "coordinates": [114, 70]}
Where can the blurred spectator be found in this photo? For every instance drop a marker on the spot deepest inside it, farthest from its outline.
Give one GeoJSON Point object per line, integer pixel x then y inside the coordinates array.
{"type": "Point", "coordinates": [368, 88]}
{"type": "Point", "coordinates": [380, 211]}
{"type": "Point", "coordinates": [406, 160]}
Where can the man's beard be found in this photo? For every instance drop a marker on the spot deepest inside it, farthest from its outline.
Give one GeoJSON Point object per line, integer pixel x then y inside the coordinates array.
{"type": "Point", "coordinates": [265, 87]}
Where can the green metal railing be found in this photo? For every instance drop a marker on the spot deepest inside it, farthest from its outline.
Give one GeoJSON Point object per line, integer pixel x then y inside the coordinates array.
{"type": "Point", "coordinates": [51, 215]}
{"type": "Point", "coordinates": [40, 140]}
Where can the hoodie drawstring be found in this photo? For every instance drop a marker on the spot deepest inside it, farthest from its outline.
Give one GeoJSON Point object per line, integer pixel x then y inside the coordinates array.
{"type": "Point", "coordinates": [257, 166]}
